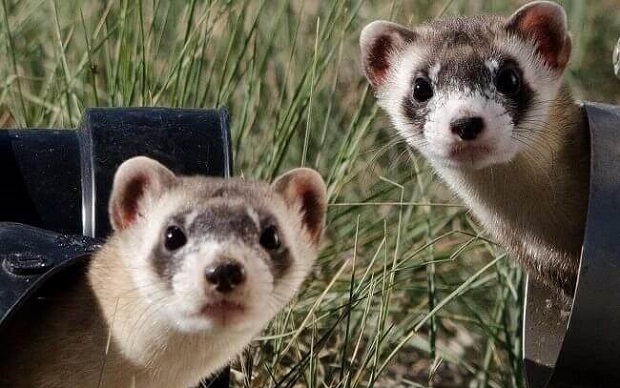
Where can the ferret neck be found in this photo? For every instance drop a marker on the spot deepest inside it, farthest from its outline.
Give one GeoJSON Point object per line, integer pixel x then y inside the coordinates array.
{"type": "Point", "coordinates": [541, 189]}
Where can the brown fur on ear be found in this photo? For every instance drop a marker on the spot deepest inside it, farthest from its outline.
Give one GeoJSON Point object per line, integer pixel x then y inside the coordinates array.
{"type": "Point", "coordinates": [305, 188]}
{"type": "Point", "coordinates": [134, 179]}
{"type": "Point", "coordinates": [379, 41]}
{"type": "Point", "coordinates": [545, 23]}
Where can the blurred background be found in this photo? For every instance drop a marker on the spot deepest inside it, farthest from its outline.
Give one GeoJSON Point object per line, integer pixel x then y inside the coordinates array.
{"type": "Point", "coordinates": [407, 292]}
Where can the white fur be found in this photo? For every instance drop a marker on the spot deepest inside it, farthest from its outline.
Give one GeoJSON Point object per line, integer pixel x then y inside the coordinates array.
{"type": "Point", "coordinates": [390, 95]}
{"type": "Point", "coordinates": [191, 289]}
{"type": "Point", "coordinates": [253, 215]}
{"type": "Point", "coordinates": [496, 135]}
{"type": "Point", "coordinates": [433, 72]}
{"type": "Point", "coordinates": [492, 64]}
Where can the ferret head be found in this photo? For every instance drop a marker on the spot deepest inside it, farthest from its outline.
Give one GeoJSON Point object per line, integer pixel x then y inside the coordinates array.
{"type": "Point", "coordinates": [212, 253]}
{"type": "Point", "coordinates": [469, 92]}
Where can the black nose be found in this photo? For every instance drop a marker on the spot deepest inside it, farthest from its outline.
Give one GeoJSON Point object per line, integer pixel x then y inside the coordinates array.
{"type": "Point", "coordinates": [467, 128]}
{"type": "Point", "coordinates": [225, 277]}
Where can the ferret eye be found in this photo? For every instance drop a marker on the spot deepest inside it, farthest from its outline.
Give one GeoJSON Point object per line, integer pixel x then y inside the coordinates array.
{"type": "Point", "coordinates": [507, 81]}
{"type": "Point", "coordinates": [270, 239]}
{"type": "Point", "coordinates": [174, 238]}
{"type": "Point", "coordinates": [422, 89]}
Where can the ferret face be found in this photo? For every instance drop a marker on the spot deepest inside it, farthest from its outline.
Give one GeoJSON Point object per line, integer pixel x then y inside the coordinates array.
{"type": "Point", "coordinates": [208, 253]}
{"type": "Point", "coordinates": [469, 92]}
{"type": "Point", "coordinates": [223, 262]}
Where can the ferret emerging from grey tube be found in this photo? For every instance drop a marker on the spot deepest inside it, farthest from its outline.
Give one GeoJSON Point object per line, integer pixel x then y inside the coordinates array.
{"type": "Point", "coordinates": [482, 99]}
{"type": "Point", "coordinates": [195, 268]}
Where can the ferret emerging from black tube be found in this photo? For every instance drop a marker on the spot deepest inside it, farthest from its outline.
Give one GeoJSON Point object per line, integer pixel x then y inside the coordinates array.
{"type": "Point", "coordinates": [194, 269]}
{"type": "Point", "coordinates": [482, 98]}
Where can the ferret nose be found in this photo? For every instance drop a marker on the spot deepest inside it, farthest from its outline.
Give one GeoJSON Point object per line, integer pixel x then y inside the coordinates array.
{"type": "Point", "coordinates": [225, 277]}
{"type": "Point", "coordinates": [467, 128]}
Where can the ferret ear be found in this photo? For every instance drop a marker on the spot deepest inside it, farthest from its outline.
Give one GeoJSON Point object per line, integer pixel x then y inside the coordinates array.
{"type": "Point", "coordinates": [304, 189]}
{"type": "Point", "coordinates": [134, 180]}
{"type": "Point", "coordinates": [545, 23]}
{"type": "Point", "coordinates": [379, 42]}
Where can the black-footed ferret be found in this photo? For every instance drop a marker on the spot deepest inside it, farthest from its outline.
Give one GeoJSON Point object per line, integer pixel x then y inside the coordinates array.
{"type": "Point", "coordinates": [482, 99]}
{"type": "Point", "coordinates": [195, 268]}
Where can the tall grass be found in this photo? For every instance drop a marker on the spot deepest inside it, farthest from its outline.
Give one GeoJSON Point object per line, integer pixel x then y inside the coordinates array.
{"type": "Point", "coordinates": [407, 290]}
